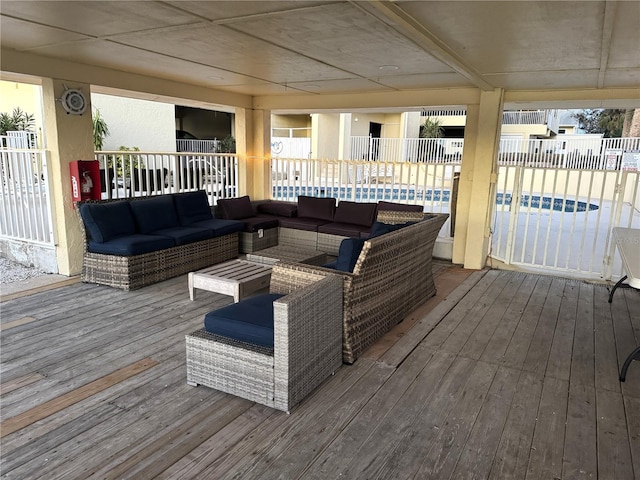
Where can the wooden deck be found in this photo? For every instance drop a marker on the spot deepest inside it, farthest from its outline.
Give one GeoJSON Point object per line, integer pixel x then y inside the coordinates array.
{"type": "Point", "coordinates": [510, 376]}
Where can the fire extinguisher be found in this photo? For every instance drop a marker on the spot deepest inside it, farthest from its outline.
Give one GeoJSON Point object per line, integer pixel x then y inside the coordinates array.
{"type": "Point", "coordinates": [86, 184]}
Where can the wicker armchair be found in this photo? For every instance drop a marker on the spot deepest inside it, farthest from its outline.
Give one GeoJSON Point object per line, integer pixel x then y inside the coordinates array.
{"type": "Point", "coordinates": [391, 278]}
{"type": "Point", "coordinates": [307, 346]}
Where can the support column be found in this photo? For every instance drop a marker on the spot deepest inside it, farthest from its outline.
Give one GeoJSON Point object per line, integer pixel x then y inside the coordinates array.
{"type": "Point", "coordinates": [344, 137]}
{"type": "Point", "coordinates": [68, 138]}
{"type": "Point", "coordinates": [478, 175]}
{"type": "Point", "coordinates": [253, 147]}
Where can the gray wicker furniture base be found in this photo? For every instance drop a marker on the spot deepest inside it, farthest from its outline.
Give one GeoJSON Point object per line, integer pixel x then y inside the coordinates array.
{"type": "Point", "coordinates": [307, 346]}
{"type": "Point", "coordinates": [391, 278]}
{"type": "Point", "coordinates": [130, 273]}
{"type": "Point", "coordinates": [272, 255]}
{"type": "Point", "coordinates": [254, 241]}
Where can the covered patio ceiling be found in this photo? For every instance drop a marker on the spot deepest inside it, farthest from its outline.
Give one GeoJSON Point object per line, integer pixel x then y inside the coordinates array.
{"type": "Point", "coordinates": [322, 48]}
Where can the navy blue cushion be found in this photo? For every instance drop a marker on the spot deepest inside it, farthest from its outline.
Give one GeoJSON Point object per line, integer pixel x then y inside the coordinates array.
{"type": "Point", "coordinates": [320, 208]}
{"type": "Point", "coordinates": [355, 213]}
{"type": "Point", "coordinates": [192, 207]}
{"type": "Point", "coordinates": [185, 235]}
{"type": "Point", "coordinates": [154, 213]}
{"type": "Point", "coordinates": [331, 265]}
{"type": "Point", "coordinates": [236, 208]}
{"type": "Point", "coordinates": [219, 226]}
{"type": "Point", "coordinates": [106, 221]}
{"type": "Point", "coordinates": [250, 320]}
{"type": "Point", "coordinates": [348, 254]}
{"type": "Point", "coordinates": [380, 228]}
{"type": "Point", "coordinates": [131, 245]}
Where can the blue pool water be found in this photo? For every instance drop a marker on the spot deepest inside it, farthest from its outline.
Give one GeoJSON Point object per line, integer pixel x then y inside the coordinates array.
{"type": "Point", "coordinates": [367, 194]}
{"type": "Point", "coordinates": [548, 203]}
{"type": "Point", "coordinates": [364, 194]}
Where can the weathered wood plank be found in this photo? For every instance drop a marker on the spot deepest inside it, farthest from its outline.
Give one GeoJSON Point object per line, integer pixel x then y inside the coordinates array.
{"type": "Point", "coordinates": [583, 357]}
{"type": "Point", "coordinates": [559, 363]}
{"type": "Point", "coordinates": [512, 457]}
{"type": "Point", "coordinates": [580, 448]}
{"type": "Point", "coordinates": [283, 461]}
{"type": "Point", "coordinates": [192, 464]}
{"type": "Point", "coordinates": [482, 444]}
{"type": "Point", "coordinates": [545, 460]}
{"type": "Point", "coordinates": [13, 424]}
{"type": "Point", "coordinates": [401, 349]}
{"type": "Point", "coordinates": [276, 429]}
{"type": "Point", "coordinates": [42, 288]}
{"type": "Point", "coordinates": [465, 329]}
{"type": "Point", "coordinates": [540, 345]}
{"type": "Point", "coordinates": [516, 352]}
{"type": "Point", "coordinates": [391, 412]}
{"type": "Point", "coordinates": [443, 453]}
{"type": "Point", "coordinates": [19, 382]}
{"type": "Point", "coordinates": [614, 452]}
{"type": "Point", "coordinates": [467, 307]}
{"type": "Point", "coordinates": [606, 358]}
{"type": "Point", "coordinates": [420, 421]}
{"type": "Point", "coordinates": [501, 338]}
{"type": "Point", "coordinates": [16, 323]}
{"type": "Point", "coordinates": [632, 412]}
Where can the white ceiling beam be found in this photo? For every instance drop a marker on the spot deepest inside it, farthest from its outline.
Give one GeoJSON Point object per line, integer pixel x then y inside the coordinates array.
{"type": "Point", "coordinates": [394, 17]}
{"type": "Point", "coordinates": [610, 9]}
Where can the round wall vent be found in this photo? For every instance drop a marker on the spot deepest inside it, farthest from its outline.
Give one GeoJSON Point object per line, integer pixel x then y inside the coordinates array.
{"type": "Point", "coordinates": [73, 101]}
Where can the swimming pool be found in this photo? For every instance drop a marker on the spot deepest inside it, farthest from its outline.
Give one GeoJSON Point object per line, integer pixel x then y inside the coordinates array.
{"type": "Point", "coordinates": [547, 203]}
{"type": "Point", "coordinates": [363, 194]}
{"type": "Point", "coordinates": [366, 194]}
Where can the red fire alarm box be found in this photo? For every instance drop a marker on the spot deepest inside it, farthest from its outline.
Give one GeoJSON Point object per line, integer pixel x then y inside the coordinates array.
{"type": "Point", "coordinates": [85, 180]}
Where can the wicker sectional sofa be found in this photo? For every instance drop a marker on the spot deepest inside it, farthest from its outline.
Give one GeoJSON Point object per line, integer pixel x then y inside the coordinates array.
{"type": "Point", "coordinates": [129, 244]}
{"type": "Point", "coordinates": [296, 352]}
{"type": "Point", "coordinates": [311, 222]}
{"type": "Point", "coordinates": [392, 276]}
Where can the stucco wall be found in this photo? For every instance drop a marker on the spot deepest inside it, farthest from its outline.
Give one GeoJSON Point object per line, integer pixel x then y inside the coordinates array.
{"type": "Point", "coordinates": [150, 126]}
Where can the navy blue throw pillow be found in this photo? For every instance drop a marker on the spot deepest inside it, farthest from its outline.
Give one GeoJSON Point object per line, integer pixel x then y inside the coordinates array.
{"type": "Point", "coordinates": [348, 254]}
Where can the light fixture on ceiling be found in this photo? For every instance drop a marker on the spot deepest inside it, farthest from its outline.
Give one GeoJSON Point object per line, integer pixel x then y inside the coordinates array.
{"type": "Point", "coordinates": [388, 67]}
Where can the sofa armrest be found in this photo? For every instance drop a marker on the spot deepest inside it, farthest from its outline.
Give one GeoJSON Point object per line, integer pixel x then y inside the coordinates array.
{"type": "Point", "coordinates": [287, 277]}
{"type": "Point", "coordinates": [307, 339]}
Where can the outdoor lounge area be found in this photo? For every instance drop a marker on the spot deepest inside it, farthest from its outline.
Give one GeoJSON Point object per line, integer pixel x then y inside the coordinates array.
{"type": "Point", "coordinates": [500, 375]}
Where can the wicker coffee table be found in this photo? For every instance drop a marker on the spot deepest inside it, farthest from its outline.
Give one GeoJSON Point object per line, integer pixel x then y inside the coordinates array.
{"type": "Point", "coordinates": [271, 255]}
{"type": "Point", "coordinates": [235, 277]}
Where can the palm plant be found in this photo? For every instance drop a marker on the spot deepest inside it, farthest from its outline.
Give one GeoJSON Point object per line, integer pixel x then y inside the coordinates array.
{"type": "Point", "coordinates": [100, 130]}
{"type": "Point", "coordinates": [16, 121]}
{"type": "Point", "coordinates": [431, 128]}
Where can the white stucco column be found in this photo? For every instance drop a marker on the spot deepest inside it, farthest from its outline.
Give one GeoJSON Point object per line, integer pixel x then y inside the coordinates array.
{"type": "Point", "coordinates": [68, 138]}
{"type": "Point", "coordinates": [476, 194]}
{"type": "Point", "coordinates": [253, 146]}
{"type": "Point", "coordinates": [344, 137]}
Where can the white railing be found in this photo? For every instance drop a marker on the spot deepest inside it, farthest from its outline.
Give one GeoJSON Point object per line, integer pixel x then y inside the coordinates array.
{"type": "Point", "coordinates": [25, 203]}
{"type": "Point", "coordinates": [200, 146]}
{"type": "Point", "coordinates": [19, 139]}
{"type": "Point", "coordinates": [427, 150]}
{"type": "Point", "coordinates": [428, 185]}
{"type": "Point", "coordinates": [564, 152]}
{"type": "Point", "coordinates": [126, 174]}
{"type": "Point", "coordinates": [561, 219]}
{"type": "Point", "coordinates": [525, 117]}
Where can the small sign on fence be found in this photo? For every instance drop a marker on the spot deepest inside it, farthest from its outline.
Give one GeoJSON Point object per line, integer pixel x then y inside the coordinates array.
{"type": "Point", "coordinates": [612, 157]}
{"type": "Point", "coordinates": [631, 161]}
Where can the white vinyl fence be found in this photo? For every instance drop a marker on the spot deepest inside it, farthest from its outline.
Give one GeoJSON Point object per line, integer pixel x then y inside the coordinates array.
{"type": "Point", "coordinates": [25, 204]}
{"type": "Point", "coordinates": [126, 174]}
{"type": "Point", "coordinates": [561, 219]}
{"type": "Point", "coordinates": [428, 185]}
